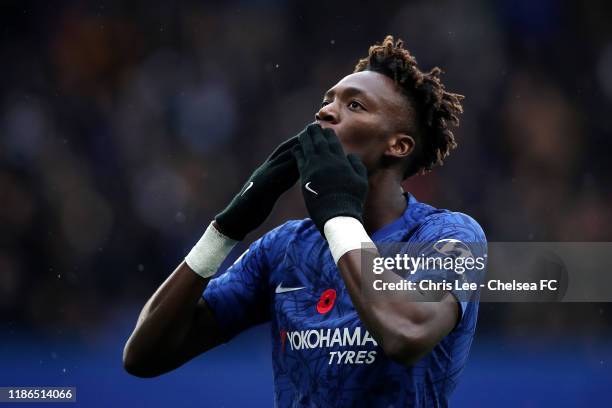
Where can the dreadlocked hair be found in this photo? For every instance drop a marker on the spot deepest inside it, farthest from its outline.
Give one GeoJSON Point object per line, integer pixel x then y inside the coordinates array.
{"type": "Point", "coordinates": [436, 111]}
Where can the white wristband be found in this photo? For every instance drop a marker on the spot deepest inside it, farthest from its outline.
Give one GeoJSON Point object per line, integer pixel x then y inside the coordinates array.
{"type": "Point", "coordinates": [209, 252]}
{"type": "Point", "coordinates": [344, 234]}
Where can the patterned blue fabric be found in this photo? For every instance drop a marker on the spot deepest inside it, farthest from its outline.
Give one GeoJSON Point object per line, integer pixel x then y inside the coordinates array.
{"type": "Point", "coordinates": [323, 356]}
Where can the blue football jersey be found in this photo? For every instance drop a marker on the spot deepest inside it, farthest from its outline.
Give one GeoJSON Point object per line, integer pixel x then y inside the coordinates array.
{"type": "Point", "coordinates": [322, 354]}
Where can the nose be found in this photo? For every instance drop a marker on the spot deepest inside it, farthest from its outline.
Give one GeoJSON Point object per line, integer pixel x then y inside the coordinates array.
{"type": "Point", "coordinates": [327, 114]}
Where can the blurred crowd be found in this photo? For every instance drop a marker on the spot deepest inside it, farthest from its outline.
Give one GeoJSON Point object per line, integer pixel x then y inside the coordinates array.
{"type": "Point", "coordinates": [126, 126]}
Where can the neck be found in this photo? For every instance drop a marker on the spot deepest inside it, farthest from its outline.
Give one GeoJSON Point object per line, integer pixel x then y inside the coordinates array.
{"type": "Point", "coordinates": [385, 202]}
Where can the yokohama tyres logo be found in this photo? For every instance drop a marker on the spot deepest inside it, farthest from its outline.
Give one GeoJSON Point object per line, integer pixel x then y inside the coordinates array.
{"type": "Point", "coordinates": [333, 338]}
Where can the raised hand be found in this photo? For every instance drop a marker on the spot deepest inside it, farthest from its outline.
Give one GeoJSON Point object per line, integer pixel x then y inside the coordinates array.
{"type": "Point", "coordinates": [254, 203]}
{"type": "Point", "coordinates": [333, 184]}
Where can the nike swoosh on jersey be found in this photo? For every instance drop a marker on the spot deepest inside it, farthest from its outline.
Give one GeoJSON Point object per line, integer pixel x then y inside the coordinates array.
{"type": "Point", "coordinates": [280, 289]}
{"type": "Point", "coordinates": [307, 187]}
{"type": "Point", "coordinates": [246, 189]}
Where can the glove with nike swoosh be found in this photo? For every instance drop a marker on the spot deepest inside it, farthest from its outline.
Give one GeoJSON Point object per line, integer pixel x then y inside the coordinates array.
{"type": "Point", "coordinates": [333, 184]}
{"type": "Point", "coordinates": [254, 203]}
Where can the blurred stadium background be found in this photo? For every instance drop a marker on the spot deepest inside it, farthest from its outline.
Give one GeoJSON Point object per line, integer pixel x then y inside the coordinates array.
{"type": "Point", "coordinates": [126, 126]}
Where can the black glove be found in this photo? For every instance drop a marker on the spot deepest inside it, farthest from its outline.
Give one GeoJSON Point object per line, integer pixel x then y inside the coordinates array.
{"type": "Point", "coordinates": [254, 203]}
{"type": "Point", "coordinates": [332, 184]}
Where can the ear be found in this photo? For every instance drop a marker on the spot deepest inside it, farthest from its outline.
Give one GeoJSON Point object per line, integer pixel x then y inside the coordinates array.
{"type": "Point", "coordinates": [400, 145]}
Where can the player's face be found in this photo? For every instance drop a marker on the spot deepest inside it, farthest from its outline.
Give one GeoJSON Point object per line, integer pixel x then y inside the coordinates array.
{"type": "Point", "coordinates": [363, 109]}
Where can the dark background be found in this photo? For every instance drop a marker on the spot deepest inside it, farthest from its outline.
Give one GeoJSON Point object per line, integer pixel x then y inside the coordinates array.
{"type": "Point", "coordinates": [126, 126]}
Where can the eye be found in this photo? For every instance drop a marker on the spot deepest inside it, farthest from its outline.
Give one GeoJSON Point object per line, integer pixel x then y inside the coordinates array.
{"type": "Point", "coordinates": [325, 103]}
{"type": "Point", "coordinates": [355, 105]}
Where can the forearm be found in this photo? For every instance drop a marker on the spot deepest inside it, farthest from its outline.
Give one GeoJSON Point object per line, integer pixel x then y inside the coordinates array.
{"type": "Point", "coordinates": [406, 325]}
{"type": "Point", "coordinates": [397, 322]}
{"type": "Point", "coordinates": [175, 324]}
{"type": "Point", "coordinates": [178, 294]}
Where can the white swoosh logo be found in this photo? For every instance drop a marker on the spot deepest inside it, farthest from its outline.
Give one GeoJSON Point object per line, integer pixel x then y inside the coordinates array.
{"type": "Point", "coordinates": [307, 187]}
{"type": "Point", "coordinates": [246, 189]}
{"type": "Point", "coordinates": [280, 289]}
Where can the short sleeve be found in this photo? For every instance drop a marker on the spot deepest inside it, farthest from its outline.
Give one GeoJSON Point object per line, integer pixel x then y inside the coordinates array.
{"type": "Point", "coordinates": [239, 297]}
{"type": "Point", "coordinates": [455, 247]}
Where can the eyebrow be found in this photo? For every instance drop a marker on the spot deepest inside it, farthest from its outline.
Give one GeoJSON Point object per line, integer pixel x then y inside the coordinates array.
{"type": "Point", "coordinates": [350, 91]}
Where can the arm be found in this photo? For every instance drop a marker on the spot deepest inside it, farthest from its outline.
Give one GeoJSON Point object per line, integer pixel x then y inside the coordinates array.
{"type": "Point", "coordinates": [176, 324]}
{"type": "Point", "coordinates": [405, 329]}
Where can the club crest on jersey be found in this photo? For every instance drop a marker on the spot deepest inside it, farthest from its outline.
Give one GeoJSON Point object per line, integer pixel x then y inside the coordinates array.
{"type": "Point", "coordinates": [453, 247]}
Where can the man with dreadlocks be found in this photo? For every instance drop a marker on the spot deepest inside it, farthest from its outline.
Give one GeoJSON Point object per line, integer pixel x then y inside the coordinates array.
{"type": "Point", "coordinates": [333, 344]}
